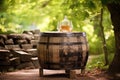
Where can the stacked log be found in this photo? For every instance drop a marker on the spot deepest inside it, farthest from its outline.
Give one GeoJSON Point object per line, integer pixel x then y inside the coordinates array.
{"type": "Point", "coordinates": [18, 49]}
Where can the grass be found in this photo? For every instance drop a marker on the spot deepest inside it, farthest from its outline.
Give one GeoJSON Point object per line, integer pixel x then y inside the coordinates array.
{"type": "Point", "coordinates": [97, 61]}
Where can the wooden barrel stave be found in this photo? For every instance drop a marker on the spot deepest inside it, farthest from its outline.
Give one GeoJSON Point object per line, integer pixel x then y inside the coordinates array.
{"type": "Point", "coordinates": [62, 51]}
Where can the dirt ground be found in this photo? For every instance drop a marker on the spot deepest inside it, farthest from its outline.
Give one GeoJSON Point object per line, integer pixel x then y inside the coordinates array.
{"type": "Point", "coordinates": [33, 74]}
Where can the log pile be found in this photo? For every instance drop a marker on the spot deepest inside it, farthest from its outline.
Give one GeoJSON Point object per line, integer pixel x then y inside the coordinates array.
{"type": "Point", "coordinates": [18, 50]}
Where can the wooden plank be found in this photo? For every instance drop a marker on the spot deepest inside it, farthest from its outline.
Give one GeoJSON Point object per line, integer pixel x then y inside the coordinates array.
{"type": "Point", "coordinates": [9, 42]}
{"type": "Point", "coordinates": [4, 54]}
{"type": "Point", "coordinates": [72, 74]}
{"type": "Point", "coordinates": [33, 52]}
{"type": "Point", "coordinates": [26, 46]}
{"type": "Point", "coordinates": [15, 61]}
{"type": "Point", "coordinates": [21, 41]}
{"type": "Point", "coordinates": [24, 56]}
{"type": "Point", "coordinates": [12, 47]}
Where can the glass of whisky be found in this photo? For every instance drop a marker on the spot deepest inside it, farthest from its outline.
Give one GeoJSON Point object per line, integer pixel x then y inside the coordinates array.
{"type": "Point", "coordinates": [65, 25]}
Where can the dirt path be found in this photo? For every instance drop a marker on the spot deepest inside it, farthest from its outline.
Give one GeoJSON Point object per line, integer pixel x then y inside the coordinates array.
{"type": "Point", "coordinates": [33, 74]}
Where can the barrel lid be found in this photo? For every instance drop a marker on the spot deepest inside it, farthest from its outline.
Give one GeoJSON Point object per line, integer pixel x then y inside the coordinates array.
{"type": "Point", "coordinates": [62, 34]}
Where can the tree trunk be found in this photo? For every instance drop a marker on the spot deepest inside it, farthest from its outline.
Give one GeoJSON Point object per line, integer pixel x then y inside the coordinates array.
{"type": "Point", "coordinates": [115, 17]}
{"type": "Point", "coordinates": [103, 38]}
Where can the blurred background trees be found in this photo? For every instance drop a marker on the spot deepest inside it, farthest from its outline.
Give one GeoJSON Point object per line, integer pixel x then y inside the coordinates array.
{"type": "Point", "coordinates": [19, 15]}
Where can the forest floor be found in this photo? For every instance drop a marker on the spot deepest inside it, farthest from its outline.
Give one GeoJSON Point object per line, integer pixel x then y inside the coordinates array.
{"type": "Point", "coordinates": [33, 74]}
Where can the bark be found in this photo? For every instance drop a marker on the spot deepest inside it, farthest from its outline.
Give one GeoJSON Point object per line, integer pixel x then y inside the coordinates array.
{"type": "Point", "coordinates": [115, 17]}
{"type": "Point", "coordinates": [103, 38]}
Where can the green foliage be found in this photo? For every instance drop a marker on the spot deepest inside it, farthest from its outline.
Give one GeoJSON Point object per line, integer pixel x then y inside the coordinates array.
{"type": "Point", "coordinates": [18, 15]}
{"type": "Point", "coordinates": [111, 44]}
{"type": "Point", "coordinates": [97, 61]}
{"type": "Point", "coordinates": [95, 45]}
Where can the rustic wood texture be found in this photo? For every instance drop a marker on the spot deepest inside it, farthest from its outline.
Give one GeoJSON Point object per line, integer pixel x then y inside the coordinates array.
{"type": "Point", "coordinates": [12, 47]}
{"type": "Point", "coordinates": [9, 42]}
{"type": "Point", "coordinates": [16, 49]}
{"type": "Point", "coordinates": [69, 51]}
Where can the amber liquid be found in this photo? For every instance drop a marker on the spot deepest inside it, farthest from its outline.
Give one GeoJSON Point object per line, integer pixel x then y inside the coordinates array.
{"type": "Point", "coordinates": [65, 29]}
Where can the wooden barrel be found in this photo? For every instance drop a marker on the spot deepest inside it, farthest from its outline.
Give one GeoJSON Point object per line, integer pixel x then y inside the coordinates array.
{"type": "Point", "coordinates": [57, 50]}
